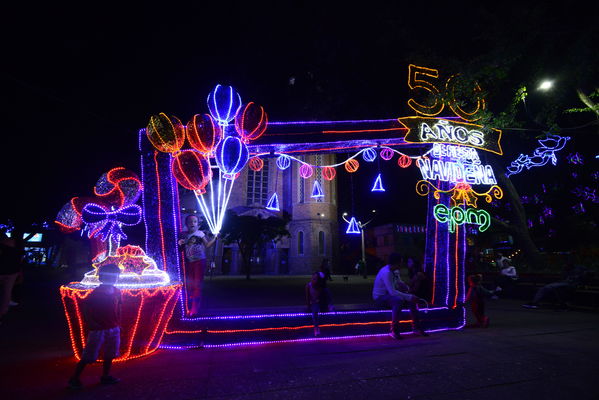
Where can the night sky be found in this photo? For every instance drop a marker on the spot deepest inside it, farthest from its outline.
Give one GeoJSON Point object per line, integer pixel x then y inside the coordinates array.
{"type": "Point", "coordinates": [79, 82]}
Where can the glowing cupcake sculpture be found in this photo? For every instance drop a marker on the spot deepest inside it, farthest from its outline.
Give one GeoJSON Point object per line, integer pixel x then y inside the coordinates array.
{"type": "Point", "coordinates": [149, 296]}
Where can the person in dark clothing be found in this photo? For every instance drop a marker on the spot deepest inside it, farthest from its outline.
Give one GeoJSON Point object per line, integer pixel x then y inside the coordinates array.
{"type": "Point", "coordinates": [11, 263]}
{"type": "Point", "coordinates": [314, 299]}
{"type": "Point", "coordinates": [102, 314]}
{"type": "Point", "coordinates": [575, 276]}
{"type": "Point", "coordinates": [419, 282]}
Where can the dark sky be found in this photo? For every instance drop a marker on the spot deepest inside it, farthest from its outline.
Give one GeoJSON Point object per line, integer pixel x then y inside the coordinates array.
{"type": "Point", "coordinates": [78, 82]}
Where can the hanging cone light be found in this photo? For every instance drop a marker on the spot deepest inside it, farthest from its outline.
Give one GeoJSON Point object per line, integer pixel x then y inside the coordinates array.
{"type": "Point", "coordinates": [317, 190]}
{"type": "Point", "coordinates": [353, 226]}
{"type": "Point", "coordinates": [378, 185]}
{"type": "Point", "coordinates": [273, 203]}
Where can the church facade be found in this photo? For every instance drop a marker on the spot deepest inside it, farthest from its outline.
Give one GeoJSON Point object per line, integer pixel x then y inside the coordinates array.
{"type": "Point", "coordinates": [313, 227]}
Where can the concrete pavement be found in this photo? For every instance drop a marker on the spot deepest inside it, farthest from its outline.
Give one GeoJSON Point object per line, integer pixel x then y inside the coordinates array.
{"type": "Point", "coordinates": [524, 354]}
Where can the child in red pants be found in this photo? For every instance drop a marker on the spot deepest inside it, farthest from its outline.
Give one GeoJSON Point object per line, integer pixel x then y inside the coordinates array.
{"type": "Point", "coordinates": [476, 297]}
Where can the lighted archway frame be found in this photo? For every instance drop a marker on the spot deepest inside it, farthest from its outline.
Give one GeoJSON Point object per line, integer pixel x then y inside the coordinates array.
{"type": "Point", "coordinates": [363, 134]}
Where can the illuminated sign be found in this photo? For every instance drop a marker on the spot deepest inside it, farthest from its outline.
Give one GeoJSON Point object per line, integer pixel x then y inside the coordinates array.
{"type": "Point", "coordinates": [456, 164]}
{"type": "Point", "coordinates": [458, 216]}
{"type": "Point", "coordinates": [450, 171]}
{"type": "Point", "coordinates": [438, 130]}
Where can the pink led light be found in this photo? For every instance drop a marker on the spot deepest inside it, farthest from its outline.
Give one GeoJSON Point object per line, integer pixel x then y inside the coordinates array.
{"type": "Point", "coordinates": [243, 344]}
{"type": "Point", "coordinates": [294, 315]}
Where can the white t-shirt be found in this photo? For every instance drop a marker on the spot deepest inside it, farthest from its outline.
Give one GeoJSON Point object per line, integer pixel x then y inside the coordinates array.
{"type": "Point", "coordinates": [197, 251]}
{"type": "Point", "coordinates": [383, 285]}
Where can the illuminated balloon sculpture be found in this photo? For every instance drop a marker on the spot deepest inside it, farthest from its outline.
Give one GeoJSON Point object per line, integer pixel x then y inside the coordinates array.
{"type": "Point", "coordinates": [217, 145]}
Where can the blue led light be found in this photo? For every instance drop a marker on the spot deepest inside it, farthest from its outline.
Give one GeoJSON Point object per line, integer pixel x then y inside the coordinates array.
{"type": "Point", "coordinates": [224, 103]}
{"type": "Point", "coordinates": [541, 156]}
{"type": "Point", "coordinates": [283, 162]}
{"type": "Point", "coordinates": [353, 226]}
{"type": "Point", "coordinates": [317, 190]}
{"type": "Point", "coordinates": [378, 185]}
{"type": "Point", "coordinates": [231, 156]}
{"type": "Point", "coordinates": [369, 155]}
{"type": "Point", "coordinates": [273, 203]}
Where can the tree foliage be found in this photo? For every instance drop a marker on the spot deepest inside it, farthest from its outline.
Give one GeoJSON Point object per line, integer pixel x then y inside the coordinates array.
{"type": "Point", "coordinates": [250, 233]}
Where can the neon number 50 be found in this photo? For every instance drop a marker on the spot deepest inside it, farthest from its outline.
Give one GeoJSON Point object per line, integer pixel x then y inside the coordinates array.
{"type": "Point", "coordinates": [415, 81]}
{"type": "Point", "coordinates": [455, 107]}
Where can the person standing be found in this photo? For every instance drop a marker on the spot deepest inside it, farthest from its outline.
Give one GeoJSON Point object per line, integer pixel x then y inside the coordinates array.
{"type": "Point", "coordinates": [314, 299]}
{"type": "Point", "coordinates": [476, 297]}
{"type": "Point", "coordinates": [11, 259]}
{"type": "Point", "coordinates": [102, 314]}
{"type": "Point", "coordinates": [389, 289]}
{"type": "Point", "coordinates": [194, 244]}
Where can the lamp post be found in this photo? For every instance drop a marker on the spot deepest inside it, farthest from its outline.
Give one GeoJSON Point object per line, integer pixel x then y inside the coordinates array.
{"type": "Point", "coordinates": [361, 227]}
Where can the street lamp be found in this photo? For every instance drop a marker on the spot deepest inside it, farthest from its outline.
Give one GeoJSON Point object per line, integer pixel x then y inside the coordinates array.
{"type": "Point", "coordinates": [546, 85]}
{"type": "Point", "coordinates": [361, 227]}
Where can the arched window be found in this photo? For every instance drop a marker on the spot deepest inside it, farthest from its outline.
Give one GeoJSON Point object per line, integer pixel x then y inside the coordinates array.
{"type": "Point", "coordinates": [321, 243]}
{"type": "Point", "coordinates": [300, 243]}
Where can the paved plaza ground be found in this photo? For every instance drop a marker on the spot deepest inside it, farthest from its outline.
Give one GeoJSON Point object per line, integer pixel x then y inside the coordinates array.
{"type": "Point", "coordinates": [541, 354]}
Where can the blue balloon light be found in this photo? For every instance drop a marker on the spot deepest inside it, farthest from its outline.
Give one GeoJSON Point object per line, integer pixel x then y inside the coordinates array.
{"type": "Point", "coordinates": [224, 102]}
{"type": "Point", "coordinates": [231, 156]}
{"type": "Point", "coordinates": [283, 162]}
{"type": "Point", "coordinates": [369, 155]}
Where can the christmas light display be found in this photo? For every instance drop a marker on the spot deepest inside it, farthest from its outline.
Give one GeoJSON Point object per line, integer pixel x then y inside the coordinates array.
{"type": "Point", "coordinates": [424, 79]}
{"type": "Point", "coordinates": [404, 161]}
{"type": "Point", "coordinates": [386, 153]}
{"type": "Point", "coordinates": [451, 171]}
{"type": "Point", "coordinates": [352, 165]}
{"type": "Point", "coordinates": [306, 171]}
{"type": "Point", "coordinates": [443, 149]}
{"type": "Point", "coordinates": [203, 133]}
{"type": "Point", "coordinates": [256, 164]}
{"type": "Point", "coordinates": [352, 226]}
{"type": "Point", "coordinates": [457, 216]}
{"type": "Point", "coordinates": [107, 223]}
{"type": "Point", "coordinates": [191, 170]}
{"type": "Point", "coordinates": [439, 130]}
{"type": "Point", "coordinates": [251, 122]}
{"type": "Point", "coordinates": [541, 155]}
{"type": "Point", "coordinates": [144, 316]}
{"type": "Point", "coordinates": [328, 173]}
{"type": "Point", "coordinates": [167, 134]}
{"type": "Point", "coordinates": [461, 193]}
{"type": "Point", "coordinates": [283, 162]}
{"type": "Point", "coordinates": [378, 185]}
{"type": "Point", "coordinates": [369, 155]}
{"type": "Point", "coordinates": [273, 203]}
{"type": "Point", "coordinates": [115, 189]}
{"type": "Point", "coordinates": [231, 155]}
{"type": "Point", "coordinates": [223, 103]}
{"type": "Point", "coordinates": [317, 190]}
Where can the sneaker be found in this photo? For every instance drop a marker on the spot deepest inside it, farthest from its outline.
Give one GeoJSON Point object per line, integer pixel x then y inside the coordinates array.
{"type": "Point", "coordinates": [530, 306]}
{"type": "Point", "coordinates": [75, 383]}
{"type": "Point", "coordinates": [395, 335]}
{"type": "Point", "coordinates": [421, 332]}
{"type": "Point", "coordinates": [109, 380]}
{"type": "Point", "coordinates": [13, 303]}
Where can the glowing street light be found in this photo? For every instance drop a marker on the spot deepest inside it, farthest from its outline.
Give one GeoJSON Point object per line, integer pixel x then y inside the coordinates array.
{"type": "Point", "coordinates": [546, 85]}
{"type": "Point", "coordinates": [360, 227]}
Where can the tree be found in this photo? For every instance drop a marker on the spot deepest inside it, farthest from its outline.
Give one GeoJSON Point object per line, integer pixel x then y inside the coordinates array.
{"type": "Point", "coordinates": [251, 233]}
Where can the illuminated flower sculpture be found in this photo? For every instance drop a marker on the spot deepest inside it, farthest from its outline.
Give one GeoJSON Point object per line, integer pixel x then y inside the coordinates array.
{"type": "Point", "coordinates": [217, 145]}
